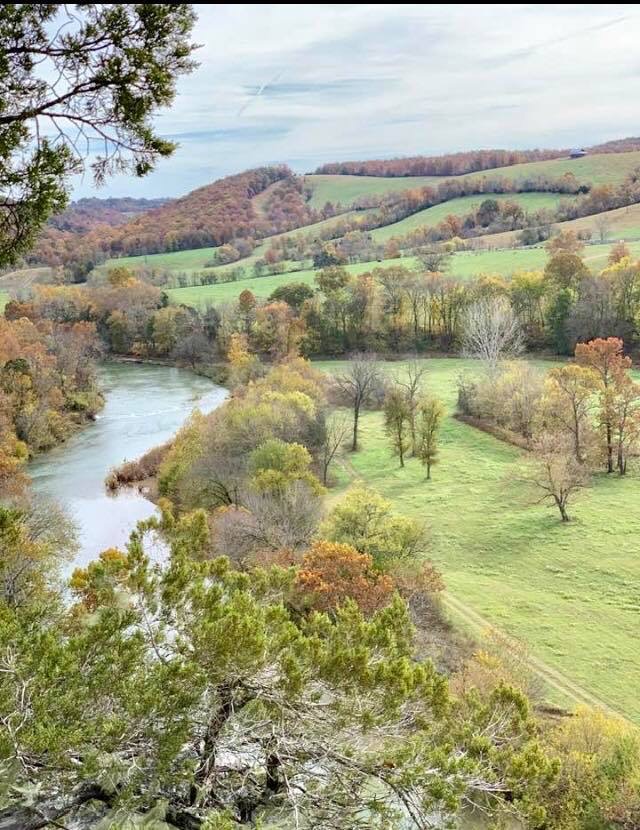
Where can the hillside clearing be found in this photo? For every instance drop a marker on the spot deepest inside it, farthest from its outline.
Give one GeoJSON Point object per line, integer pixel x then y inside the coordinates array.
{"type": "Point", "coordinates": [459, 207]}
{"type": "Point", "coordinates": [346, 189]}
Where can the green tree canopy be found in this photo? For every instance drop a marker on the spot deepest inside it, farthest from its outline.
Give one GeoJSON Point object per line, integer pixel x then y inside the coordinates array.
{"type": "Point", "coordinates": [79, 85]}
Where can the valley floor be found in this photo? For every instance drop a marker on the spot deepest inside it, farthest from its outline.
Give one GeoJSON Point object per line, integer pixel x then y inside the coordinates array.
{"type": "Point", "coordinates": [571, 592]}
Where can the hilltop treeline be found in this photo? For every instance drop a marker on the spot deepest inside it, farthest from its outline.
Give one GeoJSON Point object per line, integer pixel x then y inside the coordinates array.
{"type": "Point", "coordinates": [453, 164]}
{"type": "Point", "coordinates": [618, 145]}
{"type": "Point", "coordinates": [86, 214]}
{"type": "Point", "coordinates": [209, 216]}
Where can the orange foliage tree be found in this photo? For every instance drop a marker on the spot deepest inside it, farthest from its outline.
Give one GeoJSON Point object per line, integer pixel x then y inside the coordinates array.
{"type": "Point", "coordinates": [332, 573]}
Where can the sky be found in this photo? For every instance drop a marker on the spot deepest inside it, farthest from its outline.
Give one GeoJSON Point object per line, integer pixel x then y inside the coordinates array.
{"type": "Point", "coordinates": [303, 85]}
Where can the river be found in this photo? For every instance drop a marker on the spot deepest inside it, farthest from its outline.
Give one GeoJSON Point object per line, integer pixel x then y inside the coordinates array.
{"type": "Point", "coordinates": [145, 405]}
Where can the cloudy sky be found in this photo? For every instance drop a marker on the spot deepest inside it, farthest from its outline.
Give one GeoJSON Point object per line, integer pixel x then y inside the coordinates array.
{"type": "Point", "coordinates": [309, 84]}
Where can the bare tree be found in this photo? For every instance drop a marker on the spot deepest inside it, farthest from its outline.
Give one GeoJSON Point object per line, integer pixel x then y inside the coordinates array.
{"type": "Point", "coordinates": [268, 523]}
{"type": "Point", "coordinates": [602, 224]}
{"type": "Point", "coordinates": [491, 331]}
{"type": "Point", "coordinates": [336, 430]}
{"type": "Point", "coordinates": [555, 475]}
{"type": "Point", "coordinates": [359, 386]}
{"type": "Point", "coordinates": [433, 260]}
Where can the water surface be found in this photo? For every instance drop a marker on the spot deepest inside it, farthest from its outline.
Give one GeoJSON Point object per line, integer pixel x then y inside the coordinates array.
{"type": "Point", "coordinates": [145, 405]}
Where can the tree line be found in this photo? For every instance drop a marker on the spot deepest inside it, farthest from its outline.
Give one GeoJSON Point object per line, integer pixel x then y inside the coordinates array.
{"type": "Point", "coordinates": [451, 164]}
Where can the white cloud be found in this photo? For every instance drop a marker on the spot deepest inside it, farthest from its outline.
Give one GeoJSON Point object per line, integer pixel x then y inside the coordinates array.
{"type": "Point", "coordinates": [309, 84]}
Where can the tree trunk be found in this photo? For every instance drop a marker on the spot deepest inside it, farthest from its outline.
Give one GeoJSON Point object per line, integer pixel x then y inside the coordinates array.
{"type": "Point", "coordinates": [428, 469]}
{"type": "Point", "coordinates": [609, 449]}
{"type": "Point", "coordinates": [563, 510]}
{"type": "Point", "coordinates": [356, 416]}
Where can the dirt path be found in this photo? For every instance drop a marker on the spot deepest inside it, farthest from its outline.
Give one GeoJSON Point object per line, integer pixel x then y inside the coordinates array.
{"type": "Point", "coordinates": [551, 676]}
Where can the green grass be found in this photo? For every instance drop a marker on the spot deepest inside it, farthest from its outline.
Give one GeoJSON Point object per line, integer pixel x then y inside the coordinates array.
{"type": "Point", "coordinates": [606, 168]}
{"type": "Point", "coordinates": [4, 299]}
{"type": "Point", "coordinates": [465, 265]}
{"type": "Point", "coordinates": [346, 189]}
{"type": "Point", "coordinates": [571, 592]}
{"type": "Point", "coordinates": [458, 207]}
{"type": "Point", "coordinates": [262, 287]}
{"type": "Point", "coordinates": [195, 259]}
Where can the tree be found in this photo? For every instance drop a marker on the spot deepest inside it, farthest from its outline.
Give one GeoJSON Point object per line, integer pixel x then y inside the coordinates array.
{"type": "Point", "coordinates": [35, 540]}
{"type": "Point", "coordinates": [411, 380]}
{"type": "Point", "coordinates": [294, 294]}
{"type": "Point", "coordinates": [491, 331]}
{"type": "Point", "coordinates": [554, 473]}
{"type": "Point", "coordinates": [397, 421]}
{"type": "Point", "coordinates": [190, 692]}
{"type": "Point", "coordinates": [618, 252]}
{"type": "Point", "coordinates": [359, 386]}
{"type": "Point", "coordinates": [564, 242]}
{"type": "Point", "coordinates": [569, 402]}
{"type": "Point", "coordinates": [565, 270]}
{"type": "Point", "coordinates": [429, 421]}
{"type": "Point", "coordinates": [621, 408]}
{"type": "Point", "coordinates": [332, 573]}
{"type": "Point", "coordinates": [605, 357]}
{"type": "Point", "coordinates": [365, 520]}
{"type": "Point", "coordinates": [433, 260]}
{"type": "Point", "coordinates": [335, 434]}
{"type": "Point", "coordinates": [276, 464]}
{"type": "Point", "coordinates": [77, 85]}
{"type": "Point", "coordinates": [602, 224]}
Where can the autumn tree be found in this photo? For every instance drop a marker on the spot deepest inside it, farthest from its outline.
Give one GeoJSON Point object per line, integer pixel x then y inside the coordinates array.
{"type": "Point", "coordinates": [76, 85]}
{"type": "Point", "coordinates": [359, 386]}
{"type": "Point", "coordinates": [568, 404]}
{"type": "Point", "coordinates": [565, 242]}
{"type": "Point", "coordinates": [606, 359]}
{"type": "Point", "coordinates": [429, 421]}
{"type": "Point", "coordinates": [397, 421]}
{"type": "Point", "coordinates": [621, 408]}
{"type": "Point", "coordinates": [554, 475]}
{"type": "Point", "coordinates": [332, 573]}
{"type": "Point", "coordinates": [620, 250]}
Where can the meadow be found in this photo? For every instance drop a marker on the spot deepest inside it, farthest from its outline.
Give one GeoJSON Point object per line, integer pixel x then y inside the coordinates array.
{"type": "Point", "coordinates": [4, 299]}
{"type": "Point", "coordinates": [465, 265]}
{"type": "Point", "coordinates": [603, 168]}
{"type": "Point", "coordinates": [459, 207]}
{"type": "Point", "coordinates": [346, 189]}
{"type": "Point", "coordinates": [571, 592]}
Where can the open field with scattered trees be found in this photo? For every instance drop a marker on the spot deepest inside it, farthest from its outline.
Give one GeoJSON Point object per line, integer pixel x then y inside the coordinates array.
{"type": "Point", "coordinates": [570, 591]}
{"type": "Point", "coordinates": [460, 207]}
{"type": "Point", "coordinates": [464, 264]}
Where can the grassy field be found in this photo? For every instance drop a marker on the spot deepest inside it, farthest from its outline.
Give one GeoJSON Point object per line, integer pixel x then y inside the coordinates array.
{"type": "Point", "coordinates": [4, 299]}
{"type": "Point", "coordinates": [346, 189]}
{"type": "Point", "coordinates": [465, 265]}
{"type": "Point", "coordinates": [201, 295]}
{"type": "Point", "coordinates": [458, 207]}
{"type": "Point", "coordinates": [571, 592]}
{"type": "Point", "coordinates": [606, 168]}
{"type": "Point", "coordinates": [195, 259]}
